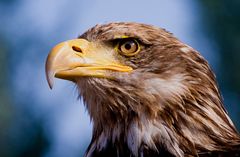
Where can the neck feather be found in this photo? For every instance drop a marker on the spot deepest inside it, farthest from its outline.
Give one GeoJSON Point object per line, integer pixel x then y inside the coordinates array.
{"type": "Point", "coordinates": [150, 118]}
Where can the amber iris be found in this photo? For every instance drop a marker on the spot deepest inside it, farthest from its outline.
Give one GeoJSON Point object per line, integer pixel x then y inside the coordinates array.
{"type": "Point", "coordinates": [128, 47]}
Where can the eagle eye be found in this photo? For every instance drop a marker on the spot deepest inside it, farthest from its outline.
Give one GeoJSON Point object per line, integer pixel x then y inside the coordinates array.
{"type": "Point", "coordinates": [128, 47]}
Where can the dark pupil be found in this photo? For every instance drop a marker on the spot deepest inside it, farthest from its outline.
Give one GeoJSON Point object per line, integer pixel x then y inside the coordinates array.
{"type": "Point", "coordinates": [128, 46]}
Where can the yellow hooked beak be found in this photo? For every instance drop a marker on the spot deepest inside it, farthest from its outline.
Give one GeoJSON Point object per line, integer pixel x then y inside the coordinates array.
{"type": "Point", "coordinates": [78, 58]}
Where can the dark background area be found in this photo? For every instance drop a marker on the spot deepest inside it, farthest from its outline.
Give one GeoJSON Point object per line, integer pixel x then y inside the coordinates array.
{"type": "Point", "coordinates": [221, 22]}
{"type": "Point", "coordinates": [25, 123]}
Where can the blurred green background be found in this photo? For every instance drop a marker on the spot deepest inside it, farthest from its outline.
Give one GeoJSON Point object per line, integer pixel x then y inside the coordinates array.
{"type": "Point", "coordinates": [37, 122]}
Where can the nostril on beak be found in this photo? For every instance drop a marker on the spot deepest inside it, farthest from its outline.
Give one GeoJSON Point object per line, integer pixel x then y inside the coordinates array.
{"type": "Point", "coordinates": [77, 49]}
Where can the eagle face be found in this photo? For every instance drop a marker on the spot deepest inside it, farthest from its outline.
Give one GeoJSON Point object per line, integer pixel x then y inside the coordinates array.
{"type": "Point", "coordinates": [147, 93]}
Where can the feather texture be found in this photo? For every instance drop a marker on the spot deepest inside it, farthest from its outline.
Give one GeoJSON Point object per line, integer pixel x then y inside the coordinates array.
{"type": "Point", "coordinates": [170, 105]}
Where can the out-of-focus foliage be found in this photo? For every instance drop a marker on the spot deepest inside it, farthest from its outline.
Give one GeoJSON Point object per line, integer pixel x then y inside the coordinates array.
{"type": "Point", "coordinates": [221, 20]}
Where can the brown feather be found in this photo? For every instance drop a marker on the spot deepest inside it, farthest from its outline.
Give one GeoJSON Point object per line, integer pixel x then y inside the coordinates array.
{"type": "Point", "coordinates": [169, 106]}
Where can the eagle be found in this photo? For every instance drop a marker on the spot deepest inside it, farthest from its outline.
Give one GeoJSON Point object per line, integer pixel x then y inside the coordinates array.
{"type": "Point", "coordinates": [147, 93]}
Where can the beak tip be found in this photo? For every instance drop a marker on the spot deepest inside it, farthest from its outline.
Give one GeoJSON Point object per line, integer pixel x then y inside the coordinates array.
{"type": "Point", "coordinates": [49, 72]}
{"type": "Point", "coordinates": [50, 77]}
{"type": "Point", "coordinates": [50, 85]}
{"type": "Point", "coordinates": [50, 82]}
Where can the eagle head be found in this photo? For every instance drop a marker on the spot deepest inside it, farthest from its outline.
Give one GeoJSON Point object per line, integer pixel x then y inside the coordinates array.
{"type": "Point", "coordinates": [147, 93]}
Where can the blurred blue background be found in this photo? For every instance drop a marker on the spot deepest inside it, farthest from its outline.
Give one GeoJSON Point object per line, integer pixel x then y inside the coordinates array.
{"type": "Point", "coordinates": [38, 122]}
